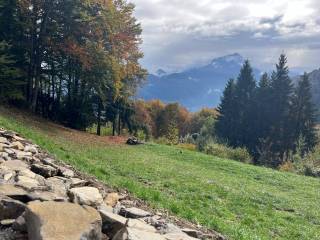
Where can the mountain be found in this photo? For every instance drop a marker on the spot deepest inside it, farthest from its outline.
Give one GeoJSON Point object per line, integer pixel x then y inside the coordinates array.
{"type": "Point", "coordinates": [197, 87]}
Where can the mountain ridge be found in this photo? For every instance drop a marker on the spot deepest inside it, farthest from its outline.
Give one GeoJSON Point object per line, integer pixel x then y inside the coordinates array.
{"type": "Point", "coordinates": [196, 87]}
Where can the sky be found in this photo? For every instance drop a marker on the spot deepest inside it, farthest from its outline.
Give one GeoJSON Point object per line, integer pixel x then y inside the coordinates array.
{"type": "Point", "coordinates": [178, 34]}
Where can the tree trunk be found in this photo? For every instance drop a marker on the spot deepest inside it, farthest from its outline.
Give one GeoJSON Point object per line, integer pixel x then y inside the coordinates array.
{"type": "Point", "coordinates": [99, 119]}
{"type": "Point", "coordinates": [119, 124]}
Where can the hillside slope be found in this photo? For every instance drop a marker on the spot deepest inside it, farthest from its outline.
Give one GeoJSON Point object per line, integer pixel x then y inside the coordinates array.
{"type": "Point", "coordinates": [240, 201]}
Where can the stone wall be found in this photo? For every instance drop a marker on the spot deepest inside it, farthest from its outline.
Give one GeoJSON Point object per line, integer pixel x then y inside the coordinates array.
{"type": "Point", "coordinates": [43, 199]}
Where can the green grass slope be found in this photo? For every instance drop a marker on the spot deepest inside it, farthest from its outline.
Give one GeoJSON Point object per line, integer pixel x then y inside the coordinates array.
{"type": "Point", "coordinates": [240, 201]}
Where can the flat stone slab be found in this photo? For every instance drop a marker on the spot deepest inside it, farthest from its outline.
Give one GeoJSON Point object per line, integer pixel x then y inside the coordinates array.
{"type": "Point", "coordinates": [129, 233]}
{"type": "Point", "coordinates": [134, 212]}
{"type": "Point", "coordinates": [86, 196]}
{"type": "Point", "coordinates": [15, 165]}
{"type": "Point", "coordinates": [44, 170]}
{"type": "Point", "coordinates": [62, 221]}
{"type": "Point", "coordinates": [12, 191]}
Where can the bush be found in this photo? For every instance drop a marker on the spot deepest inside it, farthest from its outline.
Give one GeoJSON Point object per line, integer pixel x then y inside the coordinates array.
{"type": "Point", "coordinates": [190, 138]}
{"type": "Point", "coordinates": [287, 167]}
{"type": "Point", "coordinates": [222, 151]}
{"type": "Point", "coordinates": [188, 146]}
{"type": "Point", "coordinates": [172, 135]}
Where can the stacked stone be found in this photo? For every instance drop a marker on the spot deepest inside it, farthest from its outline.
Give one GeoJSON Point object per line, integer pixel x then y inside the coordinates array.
{"type": "Point", "coordinates": [43, 199]}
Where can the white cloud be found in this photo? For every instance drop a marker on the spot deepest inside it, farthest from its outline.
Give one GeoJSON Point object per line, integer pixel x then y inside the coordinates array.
{"type": "Point", "coordinates": [181, 32]}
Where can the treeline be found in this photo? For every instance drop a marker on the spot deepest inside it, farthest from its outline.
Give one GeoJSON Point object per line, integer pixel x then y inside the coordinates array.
{"type": "Point", "coordinates": [172, 122]}
{"type": "Point", "coordinates": [72, 61]}
{"type": "Point", "coordinates": [272, 119]}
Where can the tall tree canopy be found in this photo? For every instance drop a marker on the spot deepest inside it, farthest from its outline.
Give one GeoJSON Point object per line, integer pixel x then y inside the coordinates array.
{"type": "Point", "coordinates": [78, 56]}
{"type": "Point", "coordinates": [268, 119]}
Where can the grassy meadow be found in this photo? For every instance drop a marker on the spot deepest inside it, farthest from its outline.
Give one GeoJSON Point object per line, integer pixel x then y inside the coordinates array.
{"type": "Point", "coordinates": [240, 201]}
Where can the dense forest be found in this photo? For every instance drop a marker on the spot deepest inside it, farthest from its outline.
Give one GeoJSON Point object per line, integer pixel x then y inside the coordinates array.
{"type": "Point", "coordinates": [76, 62]}
{"type": "Point", "coordinates": [73, 61]}
{"type": "Point", "coordinates": [273, 120]}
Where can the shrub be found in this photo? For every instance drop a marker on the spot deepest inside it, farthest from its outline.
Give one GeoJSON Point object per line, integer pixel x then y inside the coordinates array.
{"type": "Point", "coordinates": [172, 135]}
{"type": "Point", "coordinates": [222, 151]}
{"type": "Point", "coordinates": [287, 167]}
{"type": "Point", "coordinates": [188, 146]}
{"type": "Point", "coordinates": [190, 138]}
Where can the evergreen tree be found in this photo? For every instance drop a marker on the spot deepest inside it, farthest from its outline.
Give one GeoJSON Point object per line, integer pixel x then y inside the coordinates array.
{"type": "Point", "coordinates": [244, 98]}
{"type": "Point", "coordinates": [280, 136]}
{"type": "Point", "coordinates": [262, 110]}
{"type": "Point", "coordinates": [226, 121]}
{"type": "Point", "coordinates": [303, 115]}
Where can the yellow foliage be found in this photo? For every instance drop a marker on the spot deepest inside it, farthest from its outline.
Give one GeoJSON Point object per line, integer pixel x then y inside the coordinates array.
{"type": "Point", "coordinates": [287, 167]}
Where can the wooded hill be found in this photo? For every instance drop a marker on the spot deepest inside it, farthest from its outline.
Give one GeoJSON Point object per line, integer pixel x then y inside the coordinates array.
{"type": "Point", "coordinates": [73, 61]}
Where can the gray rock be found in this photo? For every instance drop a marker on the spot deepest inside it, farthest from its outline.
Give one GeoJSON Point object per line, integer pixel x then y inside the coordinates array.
{"type": "Point", "coordinates": [112, 199]}
{"type": "Point", "coordinates": [47, 196]}
{"type": "Point", "coordinates": [50, 162]}
{"type": "Point", "coordinates": [44, 170]}
{"type": "Point", "coordinates": [173, 232]}
{"type": "Point", "coordinates": [9, 151]}
{"type": "Point", "coordinates": [58, 185]}
{"type": "Point", "coordinates": [17, 145]}
{"type": "Point", "coordinates": [86, 196]}
{"type": "Point", "coordinates": [14, 192]}
{"type": "Point", "coordinates": [22, 155]}
{"type": "Point", "coordinates": [10, 208]}
{"type": "Point", "coordinates": [3, 140]}
{"type": "Point", "coordinates": [65, 172]}
{"type": "Point", "coordinates": [5, 156]}
{"type": "Point", "coordinates": [31, 148]}
{"type": "Point", "coordinates": [20, 224]}
{"type": "Point", "coordinates": [8, 134]}
{"type": "Point", "coordinates": [65, 221]}
{"type": "Point", "coordinates": [192, 232]}
{"type": "Point", "coordinates": [134, 212]}
{"type": "Point", "coordinates": [178, 236]}
{"type": "Point", "coordinates": [129, 233]}
{"type": "Point", "coordinates": [77, 182]}
{"type": "Point", "coordinates": [27, 183]}
{"type": "Point", "coordinates": [15, 165]}
{"type": "Point", "coordinates": [113, 223]}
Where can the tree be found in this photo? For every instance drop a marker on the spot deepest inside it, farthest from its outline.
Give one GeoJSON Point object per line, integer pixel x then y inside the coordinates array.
{"type": "Point", "coordinates": [262, 111]}
{"type": "Point", "coordinates": [280, 136]}
{"type": "Point", "coordinates": [200, 118]}
{"type": "Point", "coordinates": [226, 122]}
{"type": "Point", "coordinates": [11, 85]}
{"type": "Point", "coordinates": [244, 104]}
{"type": "Point", "coordinates": [78, 57]}
{"type": "Point", "coordinates": [303, 115]}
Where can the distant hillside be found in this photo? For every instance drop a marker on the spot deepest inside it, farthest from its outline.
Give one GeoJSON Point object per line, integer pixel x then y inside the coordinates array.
{"type": "Point", "coordinates": [197, 87]}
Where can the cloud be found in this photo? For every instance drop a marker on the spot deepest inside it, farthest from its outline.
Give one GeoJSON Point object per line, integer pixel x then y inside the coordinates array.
{"type": "Point", "coordinates": [179, 33]}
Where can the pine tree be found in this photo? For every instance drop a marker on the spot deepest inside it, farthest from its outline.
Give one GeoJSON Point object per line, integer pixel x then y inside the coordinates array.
{"type": "Point", "coordinates": [244, 97]}
{"type": "Point", "coordinates": [262, 109]}
{"type": "Point", "coordinates": [281, 96]}
{"type": "Point", "coordinates": [303, 113]}
{"type": "Point", "coordinates": [226, 123]}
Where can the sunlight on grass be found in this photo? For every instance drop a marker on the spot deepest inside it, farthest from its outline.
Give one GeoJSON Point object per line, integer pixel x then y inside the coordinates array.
{"type": "Point", "coordinates": [241, 201]}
